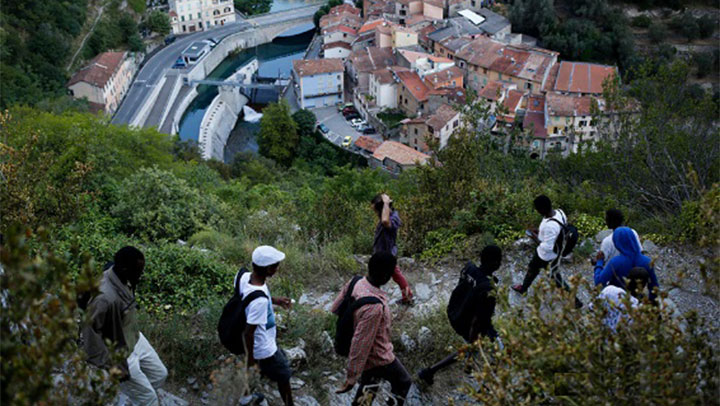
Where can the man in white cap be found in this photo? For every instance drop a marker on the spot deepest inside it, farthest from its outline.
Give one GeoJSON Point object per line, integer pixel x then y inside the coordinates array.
{"type": "Point", "coordinates": [261, 330]}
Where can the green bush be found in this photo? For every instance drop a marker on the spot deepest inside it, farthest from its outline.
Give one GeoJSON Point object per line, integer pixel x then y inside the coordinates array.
{"type": "Point", "coordinates": [657, 32]}
{"type": "Point", "coordinates": [137, 5]}
{"type": "Point", "coordinates": [154, 204]}
{"type": "Point", "coordinates": [641, 21]}
{"type": "Point", "coordinates": [555, 354]}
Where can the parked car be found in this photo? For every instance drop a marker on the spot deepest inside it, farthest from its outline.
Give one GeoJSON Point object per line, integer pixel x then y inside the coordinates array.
{"type": "Point", "coordinates": [347, 141]}
{"type": "Point", "coordinates": [357, 123]}
{"type": "Point", "coordinates": [170, 39]}
{"type": "Point", "coordinates": [351, 116]}
{"type": "Point", "coordinates": [350, 109]}
{"type": "Point", "coordinates": [323, 128]}
{"type": "Point", "coordinates": [342, 106]}
{"type": "Point", "coordinates": [368, 130]}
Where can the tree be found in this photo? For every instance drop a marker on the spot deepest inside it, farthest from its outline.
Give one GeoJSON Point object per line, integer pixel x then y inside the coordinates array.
{"type": "Point", "coordinates": [41, 362]}
{"type": "Point", "coordinates": [657, 32]}
{"type": "Point", "coordinates": [704, 63]}
{"type": "Point", "coordinates": [250, 7]}
{"type": "Point", "coordinates": [278, 137]}
{"type": "Point", "coordinates": [706, 25]}
{"type": "Point", "coordinates": [533, 17]}
{"type": "Point", "coordinates": [305, 120]}
{"type": "Point", "coordinates": [159, 22]}
{"type": "Point", "coordinates": [154, 204]}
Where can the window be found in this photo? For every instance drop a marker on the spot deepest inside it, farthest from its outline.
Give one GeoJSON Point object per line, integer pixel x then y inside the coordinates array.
{"type": "Point", "coordinates": [456, 123]}
{"type": "Point", "coordinates": [528, 86]}
{"type": "Point", "coordinates": [484, 71]}
{"type": "Point", "coordinates": [182, 18]}
{"type": "Point", "coordinates": [200, 24]}
{"type": "Point", "coordinates": [415, 141]}
{"type": "Point", "coordinates": [199, 15]}
{"type": "Point", "coordinates": [555, 130]}
{"type": "Point", "coordinates": [582, 124]}
{"type": "Point", "coordinates": [415, 131]}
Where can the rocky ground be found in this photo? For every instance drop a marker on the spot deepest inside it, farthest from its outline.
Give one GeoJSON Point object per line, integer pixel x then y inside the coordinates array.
{"type": "Point", "coordinates": [677, 270]}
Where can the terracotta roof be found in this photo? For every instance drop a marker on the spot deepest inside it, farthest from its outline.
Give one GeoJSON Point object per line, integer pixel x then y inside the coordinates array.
{"type": "Point", "coordinates": [582, 77]}
{"type": "Point", "coordinates": [172, 13]}
{"type": "Point", "coordinates": [372, 58]}
{"type": "Point", "coordinates": [385, 28]}
{"type": "Point", "coordinates": [454, 94]}
{"type": "Point", "coordinates": [568, 106]}
{"type": "Point", "coordinates": [552, 76]}
{"type": "Point", "coordinates": [367, 143]}
{"type": "Point", "coordinates": [345, 8]}
{"type": "Point", "coordinates": [370, 26]}
{"type": "Point", "coordinates": [520, 61]}
{"type": "Point", "coordinates": [512, 101]}
{"type": "Point", "coordinates": [441, 117]}
{"type": "Point", "coordinates": [400, 28]}
{"type": "Point", "coordinates": [350, 20]}
{"type": "Point", "coordinates": [340, 27]}
{"type": "Point", "coordinates": [492, 91]}
{"type": "Point", "coordinates": [100, 69]}
{"type": "Point", "coordinates": [308, 67]}
{"type": "Point", "coordinates": [384, 76]}
{"type": "Point", "coordinates": [443, 76]}
{"type": "Point", "coordinates": [337, 44]}
{"type": "Point", "coordinates": [536, 104]}
{"type": "Point", "coordinates": [412, 56]}
{"type": "Point", "coordinates": [536, 121]}
{"type": "Point", "coordinates": [414, 84]}
{"type": "Point", "coordinates": [399, 153]}
{"type": "Point", "coordinates": [417, 19]}
{"type": "Point", "coordinates": [423, 33]}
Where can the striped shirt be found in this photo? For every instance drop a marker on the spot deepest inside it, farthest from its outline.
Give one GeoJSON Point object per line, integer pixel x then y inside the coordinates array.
{"type": "Point", "coordinates": [370, 346]}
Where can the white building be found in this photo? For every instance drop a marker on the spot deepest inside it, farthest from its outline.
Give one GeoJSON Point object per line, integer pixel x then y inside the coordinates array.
{"type": "Point", "coordinates": [104, 81]}
{"type": "Point", "coordinates": [200, 15]}
{"type": "Point", "coordinates": [319, 82]}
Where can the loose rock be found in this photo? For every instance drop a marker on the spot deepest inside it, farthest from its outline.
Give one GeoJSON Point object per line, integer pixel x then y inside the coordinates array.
{"type": "Point", "coordinates": [407, 342]}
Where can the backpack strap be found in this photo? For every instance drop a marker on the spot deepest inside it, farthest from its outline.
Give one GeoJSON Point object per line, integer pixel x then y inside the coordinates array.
{"type": "Point", "coordinates": [366, 300]}
{"type": "Point", "coordinates": [563, 224]}
{"type": "Point", "coordinates": [252, 296]}
{"type": "Point", "coordinates": [351, 286]}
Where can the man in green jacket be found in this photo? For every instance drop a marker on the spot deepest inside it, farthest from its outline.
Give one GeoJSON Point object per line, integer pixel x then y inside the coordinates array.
{"type": "Point", "coordinates": [112, 315]}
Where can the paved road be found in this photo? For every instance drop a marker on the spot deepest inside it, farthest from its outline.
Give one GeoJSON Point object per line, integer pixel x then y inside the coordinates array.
{"type": "Point", "coordinates": [338, 126]}
{"type": "Point", "coordinates": [154, 69]}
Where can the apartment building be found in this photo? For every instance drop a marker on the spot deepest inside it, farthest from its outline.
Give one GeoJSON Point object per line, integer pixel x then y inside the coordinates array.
{"type": "Point", "coordinates": [319, 82]}
{"type": "Point", "coordinates": [105, 81]}
{"type": "Point", "coordinates": [199, 15]}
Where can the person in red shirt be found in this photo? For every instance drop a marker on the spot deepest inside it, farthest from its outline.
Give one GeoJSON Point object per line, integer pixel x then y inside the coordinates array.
{"type": "Point", "coordinates": [371, 355]}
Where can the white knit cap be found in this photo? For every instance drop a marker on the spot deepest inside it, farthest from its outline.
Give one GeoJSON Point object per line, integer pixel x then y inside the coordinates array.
{"type": "Point", "coordinates": [266, 255]}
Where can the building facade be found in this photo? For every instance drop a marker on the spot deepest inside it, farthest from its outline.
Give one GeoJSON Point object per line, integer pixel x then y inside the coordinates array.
{"type": "Point", "coordinates": [319, 82]}
{"type": "Point", "coordinates": [199, 15]}
{"type": "Point", "coordinates": [105, 81]}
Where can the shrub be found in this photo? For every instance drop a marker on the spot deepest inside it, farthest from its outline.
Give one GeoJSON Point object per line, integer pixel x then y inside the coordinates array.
{"type": "Point", "coordinates": [41, 363]}
{"type": "Point", "coordinates": [587, 225]}
{"type": "Point", "coordinates": [706, 25]}
{"type": "Point", "coordinates": [657, 32]}
{"type": "Point", "coordinates": [154, 204]}
{"type": "Point", "coordinates": [704, 63]}
{"type": "Point", "coordinates": [557, 355]}
{"type": "Point", "coordinates": [641, 21]}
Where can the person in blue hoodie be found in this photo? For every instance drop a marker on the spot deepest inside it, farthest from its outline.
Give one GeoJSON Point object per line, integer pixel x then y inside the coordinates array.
{"type": "Point", "coordinates": [616, 271]}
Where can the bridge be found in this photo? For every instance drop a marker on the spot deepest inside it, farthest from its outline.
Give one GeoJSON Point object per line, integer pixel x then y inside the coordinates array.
{"type": "Point", "coordinates": [156, 85]}
{"type": "Point", "coordinates": [235, 83]}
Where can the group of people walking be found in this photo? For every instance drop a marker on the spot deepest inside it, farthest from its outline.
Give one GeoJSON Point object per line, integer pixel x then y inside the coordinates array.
{"type": "Point", "coordinates": [619, 266]}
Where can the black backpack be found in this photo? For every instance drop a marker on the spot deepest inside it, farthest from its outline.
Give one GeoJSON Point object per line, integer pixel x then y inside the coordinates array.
{"type": "Point", "coordinates": [345, 326]}
{"type": "Point", "coordinates": [568, 237]}
{"type": "Point", "coordinates": [462, 305]}
{"type": "Point", "coordinates": [233, 319]}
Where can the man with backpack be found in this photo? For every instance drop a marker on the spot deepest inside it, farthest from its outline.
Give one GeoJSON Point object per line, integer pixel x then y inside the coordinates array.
{"type": "Point", "coordinates": [112, 317]}
{"type": "Point", "coordinates": [260, 329]}
{"type": "Point", "coordinates": [471, 305]}
{"type": "Point", "coordinates": [553, 243]}
{"type": "Point", "coordinates": [386, 238]}
{"type": "Point", "coordinates": [370, 351]}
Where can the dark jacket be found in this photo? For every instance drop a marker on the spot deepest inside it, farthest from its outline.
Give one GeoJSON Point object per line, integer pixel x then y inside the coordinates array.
{"type": "Point", "coordinates": [472, 304]}
{"type": "Point", "coordinates": [484, 301]}
{"type": "Point", "coordinates": [112, 316]}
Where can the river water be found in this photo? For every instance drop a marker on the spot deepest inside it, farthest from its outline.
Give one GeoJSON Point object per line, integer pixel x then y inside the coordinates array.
{"type": "Point", "coordinates": [275, 60]}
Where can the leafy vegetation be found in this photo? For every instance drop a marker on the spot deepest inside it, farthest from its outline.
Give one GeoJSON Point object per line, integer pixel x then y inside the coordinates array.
{"type": "Point", "coordinates": [251, 7]}
{"type": "Point", "coordinates": [555, 354]}
{"type": "Point", "coordinates": [158, 21]}
{"type": "Point", "coordinates": [278, 138]}
{"type": "Point", "coordinates": [34, 48]}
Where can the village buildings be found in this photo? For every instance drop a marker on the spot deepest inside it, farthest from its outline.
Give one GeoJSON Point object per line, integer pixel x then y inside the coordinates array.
{"type": "Point", "coordinates": [199, 15]}
{"type": "Point", "coordinates": [104, 81]}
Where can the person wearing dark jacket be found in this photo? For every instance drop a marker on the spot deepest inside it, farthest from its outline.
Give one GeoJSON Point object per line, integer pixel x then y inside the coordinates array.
{"type": "Point", "coordinates": [480, 305]}
{"type": "Point", "coordinates": [616, 270]}
{"type": "Point", "coordinates": [386, 238]}
{"type": "Point", "coordinates": [112, 316]}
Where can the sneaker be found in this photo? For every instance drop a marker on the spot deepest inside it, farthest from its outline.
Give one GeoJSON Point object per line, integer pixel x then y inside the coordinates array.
{"type": "Point", "coordinates": [426, 376]}
{"type": "Point", "coordinates": [518, 288]}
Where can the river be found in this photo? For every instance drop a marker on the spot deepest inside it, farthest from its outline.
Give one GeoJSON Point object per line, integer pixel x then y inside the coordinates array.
{"type": "Point", "coordinates": [275, 60]}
